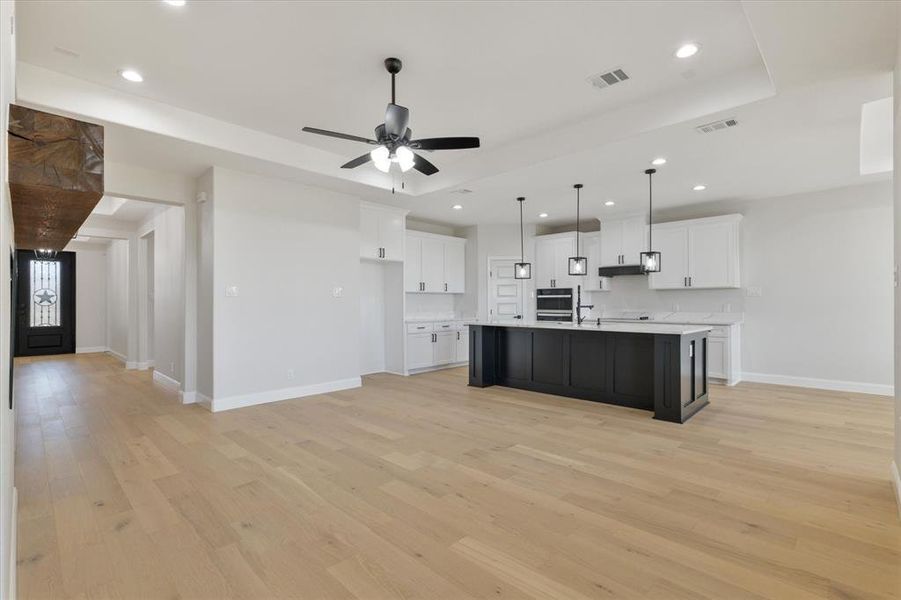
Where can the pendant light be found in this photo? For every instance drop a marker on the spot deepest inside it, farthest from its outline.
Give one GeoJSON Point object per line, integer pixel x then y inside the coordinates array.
{"type": "Point", "coordinates": [44, 254]}
{"type": "Point", "coordinates": [522, 270]}
{"type": "Point", "coordinates": [650, 260]}
{"type": "Point", "coordinates": [578, 265]}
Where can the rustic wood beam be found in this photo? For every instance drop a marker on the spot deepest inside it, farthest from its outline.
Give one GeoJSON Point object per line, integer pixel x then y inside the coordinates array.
{"type": "Point", "coordinates": [55, 176]}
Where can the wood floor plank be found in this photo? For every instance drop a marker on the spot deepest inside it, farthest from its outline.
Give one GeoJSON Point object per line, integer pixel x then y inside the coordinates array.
{"type": "Point", "coordinates": [422, 487]}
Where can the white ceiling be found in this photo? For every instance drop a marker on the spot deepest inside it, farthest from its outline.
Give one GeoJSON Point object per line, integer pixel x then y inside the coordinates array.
{"type": "Point", "coordinates": [794, 73]}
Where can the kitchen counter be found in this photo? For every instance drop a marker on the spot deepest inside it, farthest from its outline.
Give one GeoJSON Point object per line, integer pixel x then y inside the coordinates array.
{"type": "Point", "coordinates": [651, 327]}
{"type": "Point", "coordinates": [681, 318]}
{"type": "Point", "coordinates": [658, 367]}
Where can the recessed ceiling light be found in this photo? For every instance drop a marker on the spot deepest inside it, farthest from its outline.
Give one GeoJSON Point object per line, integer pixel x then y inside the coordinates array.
{"type": "Point", "coordinates": [457, 207]}
{"type": "Point", "coordinates": [131, 75]}
{"type": "Point", "coordinates": [542, 215]}
{"type": "Point", "coordinates": [699, 188]}
{"type": "Point", "coordinates": [687, 50]}
{"type": "Point", "coordinates": [175, 2]}
{"type": "Point", "coordinates": [658, 161]}
{"type": "Point", "coordinates": [609, 203]}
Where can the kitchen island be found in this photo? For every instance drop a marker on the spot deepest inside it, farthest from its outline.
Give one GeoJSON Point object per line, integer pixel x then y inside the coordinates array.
{"type": "Point", "coordinates": [651, 366]}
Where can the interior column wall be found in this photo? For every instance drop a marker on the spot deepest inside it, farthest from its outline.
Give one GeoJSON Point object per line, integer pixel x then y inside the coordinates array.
{"type": "Point", "coordinates": [897, 189]}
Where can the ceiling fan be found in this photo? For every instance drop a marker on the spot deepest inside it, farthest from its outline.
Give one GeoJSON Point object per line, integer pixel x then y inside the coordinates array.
{"type": "Point", "coordinates": [394, 139]}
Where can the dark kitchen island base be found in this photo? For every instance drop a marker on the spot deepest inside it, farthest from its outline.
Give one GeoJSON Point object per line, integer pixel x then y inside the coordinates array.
{"type": "Point", "coordinates": [662, 368]}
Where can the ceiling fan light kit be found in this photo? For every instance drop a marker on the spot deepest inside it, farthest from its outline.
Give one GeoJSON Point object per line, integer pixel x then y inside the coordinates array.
{"type": "Point", "coordinates": [394, 139]}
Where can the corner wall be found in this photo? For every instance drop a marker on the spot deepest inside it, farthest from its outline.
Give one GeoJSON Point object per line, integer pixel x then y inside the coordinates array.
{"type": "Point", "coordinates": [897, 188]}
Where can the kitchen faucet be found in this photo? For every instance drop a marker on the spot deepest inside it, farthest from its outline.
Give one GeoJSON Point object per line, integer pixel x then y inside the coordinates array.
{"type": "Point", "coordinates": [580, 306]}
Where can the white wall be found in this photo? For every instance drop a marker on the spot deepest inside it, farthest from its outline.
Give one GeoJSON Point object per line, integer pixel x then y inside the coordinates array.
{"type": "Point", "coordinates": [286, 247]}
{"type": "Point", "coordinates": [821, 260]}
{"type": "Point", "coordinates": [7, 416]}
{"type": "Point", "coordinates": [372, 317]}
{"type": "Point", "coordinates": [168, 227]}
{"type": "Point", "coordinates": [90, 298]}
{"type": "Point", "coordinates": [117, 287]}
{"type": "Point", "coordinates": [897, 221]}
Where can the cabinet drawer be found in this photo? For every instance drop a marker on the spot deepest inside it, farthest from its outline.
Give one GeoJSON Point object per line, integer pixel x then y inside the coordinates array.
{"type": "Point", "coordinates": [420, 327]}
{"type": "Point", "coordinates": [447, 326]}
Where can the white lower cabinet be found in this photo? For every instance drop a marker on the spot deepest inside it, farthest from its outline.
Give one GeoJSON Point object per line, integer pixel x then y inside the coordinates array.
{"type": "Point", "coordinates": [724, 353]}
{"type": "Point", "coordinates": [436, 344]}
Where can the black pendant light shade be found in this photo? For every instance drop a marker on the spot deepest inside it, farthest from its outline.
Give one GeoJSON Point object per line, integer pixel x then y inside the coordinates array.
{"type": "Point", "coordinates": [650, 260]}
{"type": "Point", "coordinates": [44, 254]}
{"type": "Point", "coordinates": [578, 265]}
{"type": "Point", "coordinates": [522, 269]}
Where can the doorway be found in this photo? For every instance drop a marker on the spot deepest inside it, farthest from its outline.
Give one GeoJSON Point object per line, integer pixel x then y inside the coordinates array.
{"type": "Point", "coordinates": [506, 297]}
{"type": "Point", "coordinates": [45, 304]}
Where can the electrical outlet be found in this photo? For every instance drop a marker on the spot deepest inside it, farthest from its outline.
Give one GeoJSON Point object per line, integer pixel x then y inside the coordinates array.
{"type": "Point", "coordinates": [754, 291]}
{"type": "Point", "coordinates": [290, 373]}
{"type": "Point", "coordinates": [232, 291]}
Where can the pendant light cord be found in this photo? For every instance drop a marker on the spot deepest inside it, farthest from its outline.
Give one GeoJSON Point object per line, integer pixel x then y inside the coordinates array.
{"type": "Point", "coordinates": [578, 187]}
{"type": "Point", "coordinates": [650, 174]}
{"type": "Point", "coordinates": [522, 244]}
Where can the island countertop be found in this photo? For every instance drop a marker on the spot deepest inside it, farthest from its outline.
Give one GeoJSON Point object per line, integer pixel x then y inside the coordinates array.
{"type": "Point", "coordinates": [639, 327]}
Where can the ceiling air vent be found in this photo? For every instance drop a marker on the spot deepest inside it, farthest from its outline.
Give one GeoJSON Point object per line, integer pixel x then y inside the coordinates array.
{"type": "Point", "coordinates": [716, 126]}
{"type": "Point", "coordinates": [605, 80]}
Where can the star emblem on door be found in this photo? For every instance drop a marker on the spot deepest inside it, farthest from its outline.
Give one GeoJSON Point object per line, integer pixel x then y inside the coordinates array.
{"type": "Point", "coordinates": [45, 297]}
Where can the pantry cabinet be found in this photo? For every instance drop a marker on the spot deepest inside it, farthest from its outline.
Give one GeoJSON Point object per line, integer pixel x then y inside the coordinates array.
{"type": "Point", "coordinates": [698, 254]}
{"type": "Point", "coordinates": [435, 264]}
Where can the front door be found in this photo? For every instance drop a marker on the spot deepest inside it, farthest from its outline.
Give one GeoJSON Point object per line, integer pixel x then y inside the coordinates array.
{"type": "Point", "coordinates": [45, 304]}
{"type": "Point", "coordinates": [505, 292]}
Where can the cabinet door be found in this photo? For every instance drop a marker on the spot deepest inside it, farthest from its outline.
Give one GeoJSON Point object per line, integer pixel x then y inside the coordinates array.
{"type": "Point", "coordinates": [544, 267]}
{"type": "Point", "coordinates": [433, 265]}
{"type": "Point", "coordinates": [463, 345]}
{"type": "Point", "coordinates": [445, 347]}
{"type": "Point", "coordinates": [563, 249]}
{"type": "Point", "coordinates": [711, 253]}
{"type": "Point", "coordinates": [635, 240]}
{"type": "Point", "coordinates": [369, 233]}
{"type": "Point", "coordinates": [420, 351]}
{"type": "Point", "coordinates": [591, 245]}
{"type": "Point", "coordinates": [611, 243]}
{"type": "Point", "coordinates": [413, 264]}
{"type": "Point", "coordinates": [455, 267]}
{"type": "Point", "coordinates": [391, 235]}
{"type": "Point", "coordinates": [672, 244]}
{"type": "Point", "coordinates": [716, 357]}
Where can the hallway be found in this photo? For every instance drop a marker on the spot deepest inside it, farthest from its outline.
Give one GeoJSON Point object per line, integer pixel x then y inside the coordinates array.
{"type": "Point", "coordinates": [421, 487]}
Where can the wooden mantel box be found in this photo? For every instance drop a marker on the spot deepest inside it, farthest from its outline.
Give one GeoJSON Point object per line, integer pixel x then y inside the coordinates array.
{"type": "Point", "coordinates": [55, 176]}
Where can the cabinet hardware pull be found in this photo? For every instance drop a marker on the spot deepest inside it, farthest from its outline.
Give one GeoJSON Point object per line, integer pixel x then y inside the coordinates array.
{"type": "Point", "coordinates": [445, 287]}
{"type": "Point", "coordinates": [458, 336]}
{"type": "Point", "coordinates": [689, 282]}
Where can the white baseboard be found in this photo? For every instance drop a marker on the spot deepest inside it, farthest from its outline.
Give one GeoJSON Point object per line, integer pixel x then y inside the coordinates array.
{"type": "Point", "coordinates": [140, 366]}
{"type": "Point", "coordinates": [204, 401]}
{"type": "Point", "coordinates": [896, 479]}
{"type": "Point", "coordinates": [188, 397]}
{"type": "Point", "coordinates": [243, 400]}
{"type": "Point", "coordinates": [166, 381]}
{"type": "Point", "coordinates": [13, 532]}
{"type": "Point", "coordinates": [821, 384]}
{"type": "Point", "coordinates": [115, 354]}
{"type": "Point", "coordinates": [91, 349]}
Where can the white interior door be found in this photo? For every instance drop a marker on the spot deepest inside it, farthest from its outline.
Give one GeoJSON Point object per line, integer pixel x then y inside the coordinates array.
{"type": "Point", "coordinates": [505, 292]}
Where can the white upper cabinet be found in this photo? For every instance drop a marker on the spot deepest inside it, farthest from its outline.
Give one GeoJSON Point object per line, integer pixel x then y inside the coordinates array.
{"type": "Point", "coordinates": [698, 254]}
{"type": "Point", "coordinates": [591, 247]}
{"type": "Point", "coordinates": [381, 233]}
{"type": "Point", "coordinates": [435, 264]}
{"type": "Point", "coordinates": [623, 241]}
{"type": "Point", "coordinates": [552, 254]}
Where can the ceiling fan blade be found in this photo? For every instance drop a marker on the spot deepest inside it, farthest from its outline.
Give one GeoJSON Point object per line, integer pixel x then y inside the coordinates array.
{"type": "Point", "coordinates": [360, 160]}
{"type": "Point", "coordinates": [424, 166]}
{"type": "Point", "coordinates": [446, 143]}
{"type": "Point", "coordinates": [396, 119]}
{"type": "Point", "coordinates": [335, 134]}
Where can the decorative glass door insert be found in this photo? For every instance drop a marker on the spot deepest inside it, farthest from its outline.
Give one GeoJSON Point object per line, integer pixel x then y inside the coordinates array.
{"type": "Point", "coordinates": [45, 293]}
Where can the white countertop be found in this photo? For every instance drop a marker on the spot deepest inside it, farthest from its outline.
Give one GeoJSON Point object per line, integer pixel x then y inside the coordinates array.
{"type": "Point", "coordinates": [633, 327]}
{"type": "Point", "coordinates": [432, 319]}
{"type": "Point", "coordinates": [681, 318]}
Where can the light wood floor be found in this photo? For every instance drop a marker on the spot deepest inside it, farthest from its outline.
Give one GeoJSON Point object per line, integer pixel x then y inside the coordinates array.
{"type": "Point", "coordinates": [424, 488]}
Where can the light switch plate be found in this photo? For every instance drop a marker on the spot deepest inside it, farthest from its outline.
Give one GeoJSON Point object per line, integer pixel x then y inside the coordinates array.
{"type": "Point", "coordinates": [231, 291]}
{"type": "Point", "coordinates": [754, 291]}
{"type": "Point", "coordinates": [338, 292]}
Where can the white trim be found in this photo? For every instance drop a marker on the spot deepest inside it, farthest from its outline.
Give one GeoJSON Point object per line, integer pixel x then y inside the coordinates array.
{"type": "Point", "coordinates": [13, 533]}
{"type": "Point", "coordinates": [188, 397]}
{"type": "Point", "coordinates": [859, 387]}
{"type": "Point", "coordinates": [91, 349]}
{"type": "Point", "coordinates": [204, 401]}
{"type": "Point", "coordinates": [117, 355]}
{"type": "Point", "coordinates": [141, 366]}
{"type": "Point", "coordinates": [242, 400]}
{"type": "Point", "coordinates": [165, 381]}
{"type": "Point", "coordinates": [896, 480]}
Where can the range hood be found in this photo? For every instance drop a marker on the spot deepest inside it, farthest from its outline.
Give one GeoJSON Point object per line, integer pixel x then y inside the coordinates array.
{"type": "Point", "coordinates": [621, 270]}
